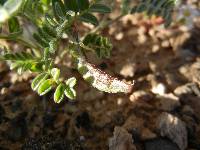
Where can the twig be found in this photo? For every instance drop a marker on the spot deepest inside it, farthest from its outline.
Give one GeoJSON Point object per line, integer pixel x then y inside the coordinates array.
{"type": "Point", "coordinates": [106, 24]}
{"type": "Point", "coordinates": [18, 40]}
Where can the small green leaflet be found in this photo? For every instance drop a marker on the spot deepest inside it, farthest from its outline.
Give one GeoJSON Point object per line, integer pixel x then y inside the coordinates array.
{"type": "Point", "coordinates": [58, 9]}
{"type": "Point", "coordinates": [13, 25]}
{"type": "Point", "coordinates": [45, 87]}
{"type": "Point", "coordinates": [70, 93]}
{"type": "Point", "coordinates": [77, 5]}
{"type": "Point", "coordinates": [71, 82]}
{"type": "Point", "coordinates": [38, 80]}
{"type": "Point", "coordinates": [100, 44]}
{"type": "Point", "coordinates": [59, 93]}
{"type": "Point", "coordinates": [163, 8]}
{"type": "Point", "coordinates": [23, 61]}
{"type": "Point", "coordinates": [125, 6]}
{"type": "Point", "coordinates": [100, 8]}
{"type": "Point", "coordinates": [55, 72]}
{"type": "Point", "coordinates": [89, 18]}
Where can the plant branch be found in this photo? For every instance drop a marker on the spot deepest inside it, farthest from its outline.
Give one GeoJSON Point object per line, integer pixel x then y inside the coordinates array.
{"type": "Point", "coordinates": [7, 37]}
{"type": "Point", "coordinates": [106, 24]}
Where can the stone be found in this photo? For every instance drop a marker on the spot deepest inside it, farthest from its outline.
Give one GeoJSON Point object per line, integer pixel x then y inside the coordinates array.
{"type": "Point", "coordinates": [128, 70]}
{"type": "Point", "coordinates": [168, 102]}
{"type": "Point", "coordinates": [195, 69]}
{"type": "Point", "coordinates": [140, 95]}
{"type": "Point", "coordinates": [121, 140]}
{"type": "Point", "coordinates": [136, 126]}
{"type": "Point", "coordinates": [133, 122]}
{"type": "Point", "coordinates": [159, 89]}
{"type": "Point", "coordinates": [187, 89]}
{"type": "Point", "coordinates": [173, 128]}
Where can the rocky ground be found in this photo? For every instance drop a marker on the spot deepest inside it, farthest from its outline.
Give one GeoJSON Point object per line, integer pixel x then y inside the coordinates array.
{"type": "Point", "coordinates": [162, 112]}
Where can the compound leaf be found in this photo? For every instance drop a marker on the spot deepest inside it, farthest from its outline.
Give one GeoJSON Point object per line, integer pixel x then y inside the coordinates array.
{"type": "Point", "coordinates": [100, 44]}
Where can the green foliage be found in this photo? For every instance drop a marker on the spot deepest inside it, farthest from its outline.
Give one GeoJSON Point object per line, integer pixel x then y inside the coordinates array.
{"type": "Point", "coordinates": [77, 5]}
{"type": "Point", "coordinates": [53, 21]}
{"type": "Point", "coordinates": [59, 93]}
{"type": "Point", "coordinates": [45, 87]}
{"type": "Point", "coordinates": [13, 25]}
{"type": "Point", "coordinates": [100, 8]}
{"type": "Point", "coordinates": [55, 72]}
{"type": "Point", "coordinates": [34, 9]}
{"type": "Point", "coordinates": [45, 81]}
{"type": "Point", "coordinates": [89, 18]}
{"type": "Point", "coordinates": [125, 7]}
{"type": "Point", "coordinates": [162, 8]}
{"type": "Point", "coordinates": [71, 82]}
{"type": "Point", "coordinates": [70, 93]}
{"type": "Point", "coordinates": [38, 80]}
{"type": "Point", "coordinates": [100, 44]}
{"type": "Point", "coordinates": [23, 61]}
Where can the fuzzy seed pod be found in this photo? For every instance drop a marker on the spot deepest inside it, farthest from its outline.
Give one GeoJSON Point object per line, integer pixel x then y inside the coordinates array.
{"type": "Point", "coordinates": [101, 80]}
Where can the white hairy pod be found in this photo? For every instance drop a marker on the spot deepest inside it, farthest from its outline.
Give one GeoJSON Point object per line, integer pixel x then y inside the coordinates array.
{"type": "Point", "coordinates": [101, 80]}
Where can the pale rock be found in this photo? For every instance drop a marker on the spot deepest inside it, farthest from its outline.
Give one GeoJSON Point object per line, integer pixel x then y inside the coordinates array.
{"type": "Point", "coordinates": [4, 91]}
{"type": "Point", "coordinates": [142, 39]}
{"type": "Point", "coordinates": [121, 140]}
{"type": "Point", "coordinates": [153, 66]}
{"type": "Point", "coordinates": [155, 48]}
{"type": "Point", "coordinates": [140, 95]}
{"type": "Point", "coordinates": [159, 89]}
{"type": "Point", "coordinates": [165, 43]}
{"type": "Point", "coordinates": [186, 89]}
{"type": "Point", "coordinates": [173, 128]}
{"type": "Point", "coordinates": [119, 36]}
{"type": "Point", "coordinates": [128, 70]}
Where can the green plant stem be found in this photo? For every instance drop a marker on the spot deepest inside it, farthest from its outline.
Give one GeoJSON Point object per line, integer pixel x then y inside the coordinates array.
{"type": "Point", "coordinates": [25, 43]}
{"type": "Point", "coordinates": [106, 24]}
